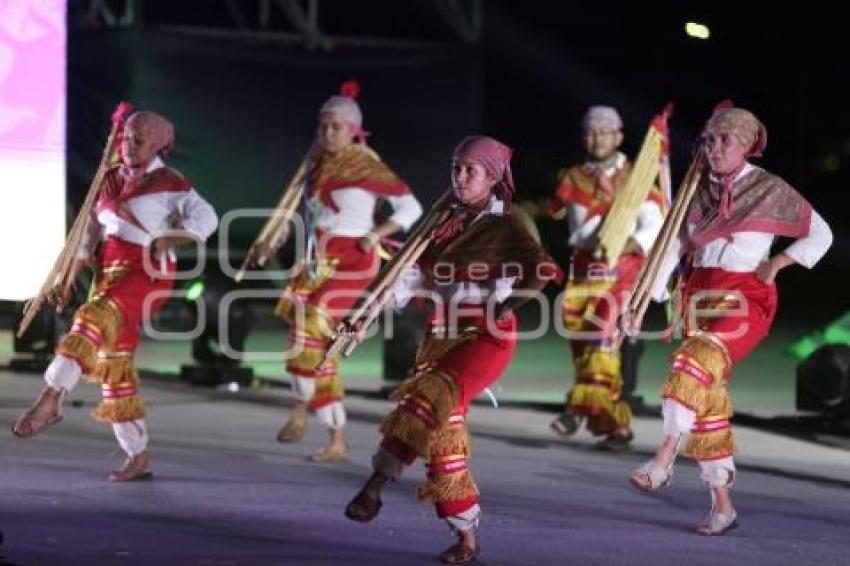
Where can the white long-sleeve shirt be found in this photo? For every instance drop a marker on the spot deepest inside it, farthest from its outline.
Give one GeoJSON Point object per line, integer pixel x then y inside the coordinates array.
{"type": "Point", "coordinates": [157, 213]}
{"type": "Point", "coordinates": [644, 230]}
{"type": "Point", "coordinates": [412, 281]}
{"type": "Point", "coordinates": [744, 251]}
{"type": "Point", "coordinates": [356, 207]}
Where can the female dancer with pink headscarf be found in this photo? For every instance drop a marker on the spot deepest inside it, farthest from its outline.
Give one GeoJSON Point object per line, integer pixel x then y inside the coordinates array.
{"type": "Point", "coordinates": [481, 255]}
{"type": "Point", "coordinates": [144, 209]}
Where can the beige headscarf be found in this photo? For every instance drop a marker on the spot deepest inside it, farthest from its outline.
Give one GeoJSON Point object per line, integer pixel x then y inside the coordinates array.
{"type": "Point", "coordinates": [742, 124]}
{"type": "Point", "coordinates": [605, 118]}
{"type": "Point", "coordinates": [755, 202]}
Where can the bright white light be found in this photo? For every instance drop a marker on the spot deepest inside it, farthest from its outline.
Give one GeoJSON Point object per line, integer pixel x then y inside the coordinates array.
{"type": "Point", "coordinates": [32, 219]}
{"type": "Point", "coordinates": [699, 31]}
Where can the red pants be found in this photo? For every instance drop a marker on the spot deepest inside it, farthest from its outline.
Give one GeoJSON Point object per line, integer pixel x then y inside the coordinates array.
{"type": "Point", "coordinates": [726, 316]}
{"type": "Point", "coordinates": [105, 333]}
{"type": "Point", "coordinates": [742, 308]}
{"type": "Point", "coordinates": [430, 418]}
{"type": "Point", "coordinates": [353, 270]}
{"type": "Point", "coordinates": [130, 289]}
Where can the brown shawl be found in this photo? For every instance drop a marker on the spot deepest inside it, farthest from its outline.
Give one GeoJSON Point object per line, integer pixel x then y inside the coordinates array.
{"type": "Point", "coordinates": [499, 242]}
{"type": "Point", "coordinates": [758, 202]}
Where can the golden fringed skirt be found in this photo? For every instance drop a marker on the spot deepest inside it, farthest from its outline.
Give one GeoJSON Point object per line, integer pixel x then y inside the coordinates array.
{"type": "Point", "coordinates": [119, 388]}
{"type": "Point", "coordinates": [96, 326]}
{"type": "Point", "coordinates": [596, 394]}
{"type": "Point", "coordinates": [698, 380]}
{"type": "Point", "coordinates": [425, 403]}
{"type": "Point", "coordinates": [449, 482]}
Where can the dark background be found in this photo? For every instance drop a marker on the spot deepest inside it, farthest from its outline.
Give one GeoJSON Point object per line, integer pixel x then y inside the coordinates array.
{"type": "Point", "coordinates": [244, 100]}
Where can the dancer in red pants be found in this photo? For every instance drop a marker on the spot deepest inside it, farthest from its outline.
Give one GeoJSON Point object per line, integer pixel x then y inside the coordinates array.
{"type": "Point", "coordinates": [482, 254]}
{"type": "Point", "coordinates": [140, 204]}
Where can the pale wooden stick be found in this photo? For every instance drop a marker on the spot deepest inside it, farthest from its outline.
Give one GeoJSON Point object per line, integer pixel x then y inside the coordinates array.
{"type": "Point", "coordinates": [351, 331]}
{"type": "Point", "coordinates": [276, 228]}
{"type": "Point", "coordinates": [60, 277]}
{"type": "Point", "coordinates": [641, 294]}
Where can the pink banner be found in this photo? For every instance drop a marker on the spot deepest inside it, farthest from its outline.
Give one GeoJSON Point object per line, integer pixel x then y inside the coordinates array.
{"type": "Point", "coordinates": [32, 74]}
{"type": "Point", "coordinates": [32, 141]}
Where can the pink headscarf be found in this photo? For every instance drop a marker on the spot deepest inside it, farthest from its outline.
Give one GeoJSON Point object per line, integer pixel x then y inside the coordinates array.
{"type": "Point", "coordinates": [494, 156]}
{"type": "Point", "coordinates": [156, 128]}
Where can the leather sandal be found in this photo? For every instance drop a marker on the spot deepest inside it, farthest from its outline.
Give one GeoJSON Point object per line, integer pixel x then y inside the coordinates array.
{"type": "Point", "coordinates": [718, 523]}
{"type": "Point", "coordinates": [292, 431]}
{"type": "Point", "coordinates": [135, 468]}
{"type": "Point", "coordinates": [652, 477]}
{"type": "Point", "coordinates": [459, 553]}
{"type": "Point", "coordinates": [43, 414]}
{"type": "Point", "coordinates": [565, 424]}
{"type": "Point", "coordinates": [363, 508]}
{"type": "Point", "coordinates": [617, 442]}
{"type": "Point", "coordinates": [330, 453]}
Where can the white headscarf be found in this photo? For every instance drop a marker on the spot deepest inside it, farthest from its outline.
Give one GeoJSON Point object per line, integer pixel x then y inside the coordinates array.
{"type": "Point", "coordinates": [345, 107]}
{"type": "Point", "coordinates": [603, 118]}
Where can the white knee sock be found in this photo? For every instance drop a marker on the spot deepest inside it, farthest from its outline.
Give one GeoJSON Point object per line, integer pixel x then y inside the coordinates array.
{"type": "Point", "coordinates": [332, 415]}
{"type": "Point", "coordinates": [132, 436]}
{"type": "Point", "coordinates": [303, 389]}
{"type": "Point", "coordinates": [718, 473]}
{"type": "Point", "coordinates": [63, 373]}
{"type": "Point", "coordinates": [469, 519]}
{"type": "Point", "coordinates": [678, 419]}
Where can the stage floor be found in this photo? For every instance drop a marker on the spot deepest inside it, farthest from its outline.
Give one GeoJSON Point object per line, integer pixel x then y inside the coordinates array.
{"type": "Point", "coordinates": [763, 385]}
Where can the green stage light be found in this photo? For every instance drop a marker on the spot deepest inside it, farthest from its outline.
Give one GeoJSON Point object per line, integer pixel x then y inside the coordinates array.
{"type": "Point", "coordinates": [195, 290]}
{"type": "Point", "coordinates": [837, 332]}
{"type": "Point", "coordinates": [803, 348]}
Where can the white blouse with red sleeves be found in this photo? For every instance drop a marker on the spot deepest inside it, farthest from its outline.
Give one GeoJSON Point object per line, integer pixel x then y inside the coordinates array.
{"type": "Point", "coordinates": [644, 230]}
{"type": "Point", "coordinates": [157, 213]}
{"type": "Point", "coordinates": [744, 251]}
{"type": "Point", "coordinates": [355, 208]}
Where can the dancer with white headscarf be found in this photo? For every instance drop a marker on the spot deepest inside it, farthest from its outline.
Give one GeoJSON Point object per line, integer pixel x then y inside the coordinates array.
{"type": "Point", "coordinates": [344, 182]}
